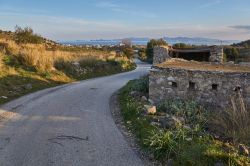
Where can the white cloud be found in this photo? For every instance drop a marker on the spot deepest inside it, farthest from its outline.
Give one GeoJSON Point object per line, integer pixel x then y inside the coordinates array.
{"type": "Point", "coordinates": [125, 10]}
{"type": "Point", "coordinates": [241, 27]}
{"type": "Point", "coordinates": [211, 3]}
{"type": "Point", "coordinates": [107, 4]}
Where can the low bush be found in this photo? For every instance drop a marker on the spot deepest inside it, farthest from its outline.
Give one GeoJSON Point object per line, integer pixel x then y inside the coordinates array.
{"type": "Point", "coordinates": [89, 67]}
{"type": "Point", "coordinates": [190, 111]}
{"type": "Point", "coordinates": [141, 85]}
{"type": "Point", "coordinates": [35, 58]}
{"type": "Point", "coordinates": [91, 62]}
{"type": "Point", "coordinates": [26, 35]}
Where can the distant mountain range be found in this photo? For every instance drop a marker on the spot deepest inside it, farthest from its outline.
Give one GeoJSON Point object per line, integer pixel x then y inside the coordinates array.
{"type": "Point", "coordinates": [143, 41]}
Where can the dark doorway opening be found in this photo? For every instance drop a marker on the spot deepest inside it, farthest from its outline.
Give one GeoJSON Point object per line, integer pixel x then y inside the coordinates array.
{"type": "Point", "coordinates": [214, 86]}
{"type": "Point", "coordinates": [195, 56]}
{"type": "Point", "coordinates": [191, 85]}
{"type": "Point", "coordinates": [174, 84]}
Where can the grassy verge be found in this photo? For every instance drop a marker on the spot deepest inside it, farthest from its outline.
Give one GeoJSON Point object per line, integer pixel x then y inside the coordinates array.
{"type": "Point", "coordinates": [177, 132]}
{"type": "Point", "coordinates": [16, 81]}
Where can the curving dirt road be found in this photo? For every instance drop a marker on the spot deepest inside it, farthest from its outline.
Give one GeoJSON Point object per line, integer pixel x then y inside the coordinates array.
{"type": "Point", "coordinates": [70, 125]}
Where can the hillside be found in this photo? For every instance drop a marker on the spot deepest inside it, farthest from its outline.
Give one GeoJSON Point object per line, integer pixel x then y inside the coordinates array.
{"type": "Point", "coordinates": [36, 63]}
{"type": "Point", "coordinates": [238, 52]}
{"type": "Point", "coordinates": [245, 44]}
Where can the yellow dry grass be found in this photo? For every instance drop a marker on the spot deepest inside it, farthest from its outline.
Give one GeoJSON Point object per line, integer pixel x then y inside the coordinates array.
{"type": "Point", "coordinates": [37, 56]}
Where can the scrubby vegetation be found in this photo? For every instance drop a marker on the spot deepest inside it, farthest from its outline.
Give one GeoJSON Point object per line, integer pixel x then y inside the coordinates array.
{"type": "Point", "coordinates": [29, 62]}
{"type": "Point", "coordinates": [238, 52]}
{"type": "Point", "coordinates": [183, 45]}
{"type": "Point", "coordinates": [179, 132]}
{"type": "Point", "coordinates": [232, 53]}
{"type": "Point", "coordinates": [26, 35]}
{"type": "Point", "coordinates": [142, 54]}
{"type": "Point", "coordinates": [245, 44]}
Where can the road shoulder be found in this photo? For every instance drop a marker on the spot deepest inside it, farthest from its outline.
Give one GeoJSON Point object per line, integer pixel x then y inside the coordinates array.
{"type": "Point", "coordinates": [129, 137]}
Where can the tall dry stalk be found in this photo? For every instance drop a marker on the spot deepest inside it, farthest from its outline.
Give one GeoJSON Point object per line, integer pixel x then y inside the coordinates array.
{"type": "Point", "coordinates": [234, 122]}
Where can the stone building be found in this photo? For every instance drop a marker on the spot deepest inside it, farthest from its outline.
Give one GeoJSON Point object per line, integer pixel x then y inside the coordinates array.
{"type": "Point", "coordinates": [209, 82]}
{"type": "Point", "coordinates": [208, 54]}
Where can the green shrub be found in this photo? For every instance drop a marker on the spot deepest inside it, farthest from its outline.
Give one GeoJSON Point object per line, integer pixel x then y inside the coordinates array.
{"type": "Point", "coordinates": [66, 66]}
{"type": "Point", "coordinates": [183, 45]}
{"type": "Point", "coordinates": [113, 62]}
{"type": "Point", "coordinates": [191, 111]}
{"type": "Point", "coordinates": [89, 62]}
{"type": "Point", "coordinates": [26, 35]}
{"type": "Point", "coordinates": [140, 85]}
{"type": "Point", "coordinates": [90, 67]}
{"type": "Point", "coordinates": [162, 144]}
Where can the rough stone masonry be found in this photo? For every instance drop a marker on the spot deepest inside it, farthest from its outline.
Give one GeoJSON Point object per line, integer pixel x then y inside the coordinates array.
{"type": "Point", "coordinates": [210, 87]}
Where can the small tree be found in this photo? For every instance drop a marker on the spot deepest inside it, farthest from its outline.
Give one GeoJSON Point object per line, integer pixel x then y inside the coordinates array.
{"type": "Point", "coordinates": [235, 53]}
{"type": "Point", "coordinates": [127, 42]}
{"type": "Point", "coordinates": [129, 52]}
{"type": "Point", "coordinates": [127, 48]}
{"type": "Point", "coordinates": [142, 54]}
{"type": "Point", "coordinates": [26, 35]}
{"type": "Point", "coordinates": [150, 47]}
{"type": "Point", "coordinates": [232, 53]}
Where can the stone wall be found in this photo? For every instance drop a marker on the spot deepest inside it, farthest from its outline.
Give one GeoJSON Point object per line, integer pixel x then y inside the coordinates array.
{"type": "Point", "coordinates": [210, 88]}
{"type": "Point", "coordinates": [216, 54]}
{"type": "Point", "coordinates": [161, 54]}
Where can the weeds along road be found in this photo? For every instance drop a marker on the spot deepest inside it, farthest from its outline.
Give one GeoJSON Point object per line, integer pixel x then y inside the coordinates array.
{"type": "Point", "coordinates": [70, 125]}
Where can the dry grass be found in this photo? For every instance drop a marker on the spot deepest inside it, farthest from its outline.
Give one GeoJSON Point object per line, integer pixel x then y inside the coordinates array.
{"type": "Point", "coordinates": [234, 122]}
{"type": "Point", "coordinates": [38, 57]}
{"type": "Point", "coordinates": [1, 60]}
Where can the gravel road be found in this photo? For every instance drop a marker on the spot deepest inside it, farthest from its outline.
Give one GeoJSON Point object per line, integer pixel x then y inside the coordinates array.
{"type": "Point", "coordinates": [69, 125]}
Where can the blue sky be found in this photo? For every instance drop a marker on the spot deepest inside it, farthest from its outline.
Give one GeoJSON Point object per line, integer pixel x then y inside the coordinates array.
{"type": "Point", "coordinates": [106, 19]}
